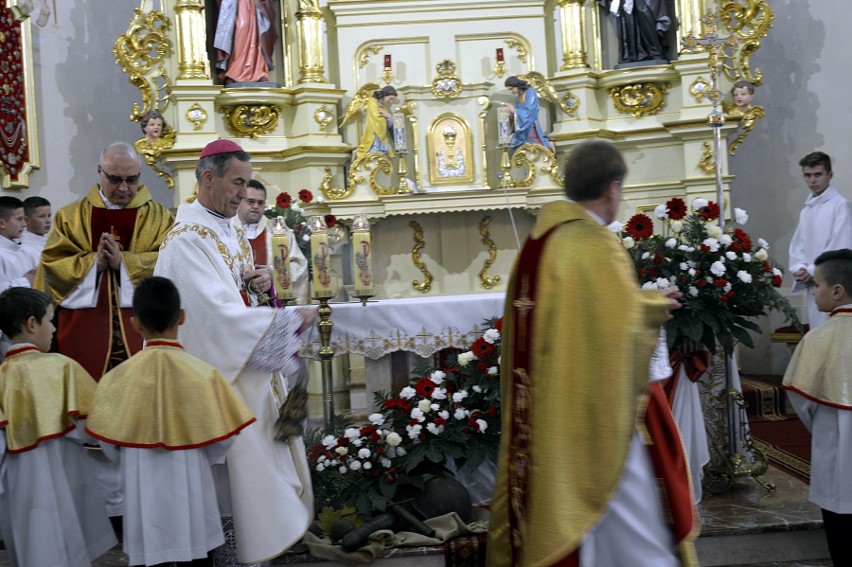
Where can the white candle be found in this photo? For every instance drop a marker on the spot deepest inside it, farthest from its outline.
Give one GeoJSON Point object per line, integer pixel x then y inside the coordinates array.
{"type": "Point", "coordinates": [362, 259]}
{"type": "Point", "coordinates": [320, 258]}
{"type": "Point", "coordinates": [281, 261]}
{"type": "Point", "coordinates": [503, 127]}
{"type": "Point", "coordinates": [399, 131]}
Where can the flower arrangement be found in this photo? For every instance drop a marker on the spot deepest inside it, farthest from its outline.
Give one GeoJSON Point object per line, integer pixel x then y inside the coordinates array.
{"type": "Point", "coordinates": [294, 215]}
{"type": "Point", "coordinates": [447, 413]}
{"type": "Point", "coordinates": [726, 278]}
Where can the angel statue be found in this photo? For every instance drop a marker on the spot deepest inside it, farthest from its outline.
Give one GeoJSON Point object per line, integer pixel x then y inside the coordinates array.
{"type": "Point", "coordinates": [158, 137]}
{"type": "Point", "coordinates": [378, 130]}
{"type": "Point", "coordinates": [525, 110]}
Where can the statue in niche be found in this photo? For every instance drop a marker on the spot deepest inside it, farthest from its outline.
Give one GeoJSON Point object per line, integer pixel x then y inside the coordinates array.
{"type": "Point", "coordinates": [525, 111]}
{"type": "Point", "coordinates": [158, 137]}
{"type": "Point", "coordinates": [742, 105]}
{"type": "Point", "coordinates": [451, 163]}
{"type": "Point", "coordinates": [378, 127]}
{"type": "Point", "coordinates": [641, 26]}
{"type": "Point", "coordinates": [245, 39]}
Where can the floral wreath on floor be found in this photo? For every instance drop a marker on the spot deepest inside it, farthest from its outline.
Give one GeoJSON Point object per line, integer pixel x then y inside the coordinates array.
{"type": "Point", "coordinates": [727, 279]}
{"type": "Point", "coordinates": [444, 413]}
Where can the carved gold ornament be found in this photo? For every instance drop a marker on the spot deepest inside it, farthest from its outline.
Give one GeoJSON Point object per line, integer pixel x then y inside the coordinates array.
{"type": "Point", "coordinates": [528, 156]}
{"type": "Point", "coordinates": [374, 163]}
{"type": "Point", "coordinates": [331, 192]}
{"type": "Point", "coordinates": [487, 281]}
{"type": "Point", "coordinates": [197, 115]}
{"type": "Point", "coordinates": [750, 116]}
{"type": "Point", "coordinates": [419, 243]}
{"type": "Point", "coordinates": [520, 46]}
{"type": "Point", "coordinates": [251, 120]}
{"type": "Point", "coordinates": [748, 20]}
{"type": "Point", "coordinates": [706, 163]}
{"type": "Point", "coordinates": [365, 52]}
{"type": "Point", "coordinates": [569, 103]}
{"type": "Point", "coordinates": [447, 84]}
{"type": "Point", "coordinates": [323, 116]}
{"type": "Point", "coordinates": [699, 88]}
{"type": "Point", "coordinates": [141, 52]}
{"type": "Point", "coordinates": [639, 99]}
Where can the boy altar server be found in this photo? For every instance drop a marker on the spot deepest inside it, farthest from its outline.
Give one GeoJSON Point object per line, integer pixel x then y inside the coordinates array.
{"type": "Point", "coordinates": [51, 513]}
{"type": "Point", "coordinates": [819, 384]}
{"type": "Point", "coordinates": [173, 416]}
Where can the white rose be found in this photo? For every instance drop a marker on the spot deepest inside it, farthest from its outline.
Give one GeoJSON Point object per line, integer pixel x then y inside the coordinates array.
{"type": "Point", "coordinates": [717, 269]}
{"type": "Point", "coordinates": [661, 212]}
{"type": "Point", "coordinates": [464, 358]}
{"type": "Point", "coordinates": [744, 276]}
{"type": "Point", "coordinates": [628, 242]}
{"type": "Point", "coordinates": [761, 254]}
{"type": "Point", "coordinates": [740, 215]}
{"type": "Point", "coordinates": [393, 439]}
{"type": "Point", "coordinates": [425, 406]}
{"type": "Point", "coordinates": [376, 418]}
{"type": "Point", "coordinates": [671, 243]}
{"type": "Point", "coordinates": [676, 226]}
{"type": "Point", "coordinates": [341, 451]}
{"type": "Point", "coordinates": [714, 230]}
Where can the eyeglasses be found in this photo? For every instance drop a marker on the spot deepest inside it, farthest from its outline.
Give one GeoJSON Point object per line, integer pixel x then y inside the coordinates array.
{"type": "Point", "coordinates": [117, 180]}
{"type": "Point", "coordinates": [255, 202]}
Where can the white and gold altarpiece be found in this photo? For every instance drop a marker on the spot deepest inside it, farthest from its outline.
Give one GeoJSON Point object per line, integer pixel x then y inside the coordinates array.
{"type": "Point", "coordinates": [440, 209]}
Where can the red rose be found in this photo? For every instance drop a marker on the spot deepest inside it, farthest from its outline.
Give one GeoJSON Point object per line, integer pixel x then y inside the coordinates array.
{"type": "Point", "coordinates": [720, 283]}
{"type": "Point", "coordinates": [640, 227]}
{"type": "Point", "coordinates": [677, 208]}
{"type": "Point", "coordinates": [767, 267]}
{"type": "Point", "coordinates": [330, 221]}
{"type": "Point", "coordinates": [440, 421]}
{"type": "Point", "coordinates": [658, 259]}
{"type": "Point", "coordinates": [743, 238]}
{"type": "Point", "coordinates": [305, 196]}
{"type": "Point", "coordinates": [710, 212]}
{"type": "Point", "coordinates": [492, 411]}
{"type": "Point", "coordinates": [398, 403]}
{"type": "Point", "coordinates": [724, 298]}
{"type": "Point", "coordinates": [424, 388]}
{"type": "Point", "coordinates": [700, 283]}
{"type": "Point", "coordinates": [640, 272]}
{"type": "Point", "coordinates": [776, 281]}
{"type": "Point", "coordinates": [283, 200]}
{"type": "Point", "coordinates": [498, 324]}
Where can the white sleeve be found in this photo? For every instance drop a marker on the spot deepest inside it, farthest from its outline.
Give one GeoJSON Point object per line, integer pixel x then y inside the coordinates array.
{"type": "Point", "coordinates": [85, 295]}
{"type": "Point", "coordinates": [804, 407]}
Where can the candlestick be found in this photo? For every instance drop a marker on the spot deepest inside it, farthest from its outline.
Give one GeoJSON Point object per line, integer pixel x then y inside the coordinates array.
{"type": "Point", "coordinates": [320, 257]}
{"type": "Point", "coordinates": [362, 257]}
{"type": "Point", "coordinates": [387, 74]}
{"type": "Point", "coordinates": [499, 54]}
{"type": "Point", "coordinates": [500, 67]}
{"type": "Point", "coordinates": [281, 261]}
{"type": "Point", "coordinates": [504, 133]}
{"type": "Point", "coordinates": [399, 131]}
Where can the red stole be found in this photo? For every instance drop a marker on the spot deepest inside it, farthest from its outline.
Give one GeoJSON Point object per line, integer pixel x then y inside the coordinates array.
{"type": "Point", "coordinates": [258, 246]}
{"type": "Point", "coordinates": [94, 336]}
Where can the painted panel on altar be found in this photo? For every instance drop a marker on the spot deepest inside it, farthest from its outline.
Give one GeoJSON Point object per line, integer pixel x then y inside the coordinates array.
{"type": "Point", "coordinates": [450, 147]}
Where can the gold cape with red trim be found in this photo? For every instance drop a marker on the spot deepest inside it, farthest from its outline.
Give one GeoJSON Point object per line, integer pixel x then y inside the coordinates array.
{"type": "Point", "coordinates": [41, 395]}
{"type": "Point", "coordinates": [68, 256]}
{"type": "Point", "coordinates": [821, 367]}
{"type": "Point", "coordinates": [165, 397]}
{"type": "Point", "coordinates": [592, 335]}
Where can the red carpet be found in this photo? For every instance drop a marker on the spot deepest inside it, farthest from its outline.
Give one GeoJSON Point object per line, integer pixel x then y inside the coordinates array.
{"type": "Point", "coordinates": [775, 428]}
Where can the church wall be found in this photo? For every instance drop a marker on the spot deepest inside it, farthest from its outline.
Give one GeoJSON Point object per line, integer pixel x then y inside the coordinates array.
{"type": "Point", "coordinates": [83, 99]}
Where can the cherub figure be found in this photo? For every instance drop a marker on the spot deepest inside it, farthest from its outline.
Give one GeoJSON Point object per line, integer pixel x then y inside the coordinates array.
{"type": "Point", "coordinates": [158, 137]}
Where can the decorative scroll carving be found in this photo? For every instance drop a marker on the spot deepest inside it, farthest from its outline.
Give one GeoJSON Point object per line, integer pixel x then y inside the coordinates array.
{"type": "Point", "coordinates": [140, 52]}
{"type": "Point", "coordinates": [365, 52]}
{"type": "Point", "coordinates": [197, 115]}
{"type": "Point", "coordinates": [545, 90]}
{"type": "Point", "coordinates": [419, 243]}
{"type": "Point", "coordinates": [529, 155]}
{"type": "Point", "coordinates": [375, 163]}
{"type": "Point", "coordinates": [706, 163]}
{"type": "Point", "coordinates": [487, 281]}
{"type": "Point", "coordinates": [251, 120]}
{"type": "Point", "coordinates": [333, 193]}
{"type": "Point", "coordinates": [323, 116]}
{"type": "Point", "coordinates": [750, 116]}
{"type": "Point", "coordinates": [699, 88]}
{"type": "Point", "coordinates": [748, 20]}
{"type": "Point", "coordinates": [639, 99]}
{"type": "Point", "coordinates": [520, 46]}
{"type": "Point", "coordinates": [447, 84]}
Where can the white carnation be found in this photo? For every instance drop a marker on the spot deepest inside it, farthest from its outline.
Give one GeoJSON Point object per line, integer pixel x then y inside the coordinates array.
{"type": "Point", "coordinates": [661, 211]}
{"type": "Point", "coordinates": [459, 414]}
{"type": "Point", "coordinates": [355, 465]}
{"type": "Point", "coordinates": [776, 272]}
{"type": "Point", "coordinates": [376, 419]}
{"type": "Point", "coordinates": [491, 335]}
{"type": "Point", "coordinates": [746, 257]}
{"type": "Point", "coordinates": [492, 371]}
{"type": "Point", "coordinates": [439, 394]}
{"type": "Point", "coordinates": [483, 425]}
{"type": "Point", "coordinates": [731, 255]}
{"type": "Point", "coordinates": [649, 285]}
{"type": "Point", "coordinates": [434, 429]}
{"type": "Point", "coordinates": [363, 453]}
{"type": "Point", "coordinates": [616, 227]}
{"type": "Point", "coordinates": [476, 389]}
{"type": "Point", "coordinates": [329, 441]}
{"type": "Point", "coordinates": [712, 244]}
{"type": "Point", "coordinates": [726, 239]}
{"type": "Point", "coordinates": [342, 469]}
{"type": "Point", "coordinates": [762, 243]}
{"type": "Point", "coordinates": [740, 215]}
{"type": "Point", "coordinates": [459, 396]}
{"type": "Point", "coordinates": [368, 465]}
{"type": "Point", "coordinates": [744, 276]}
{"type": "Point", "coordinates": [717, 269]}
{"type": "Point", "coordinates": [699, 203]}
{"type": "Point", "coordinates": [671, 243]}
{"type": "Point", "coordinates": [407, 393]}
{"type": "Point", "coordinates": [693, 291]}
{"type": "Point", "coordinates": [352, 433]}
{"type": "Point", "coordinates": [437, 377]}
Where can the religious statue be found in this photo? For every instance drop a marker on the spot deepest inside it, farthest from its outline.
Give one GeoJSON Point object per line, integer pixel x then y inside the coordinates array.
{"type": "Point", "coordinates": [158, 137]}
{"type": "Point", "coordinates": [378, 128]}
{"type": "Point", "coordinates": [245, 39]}
{"type": "Point", "coordinates": [525, 110]}
{"type": "Point", "coordinates": [742, 106]}
{"type": "Point", "coordinates": [742, 94]}
{"type": "Point", "coordinates": [641, 27]}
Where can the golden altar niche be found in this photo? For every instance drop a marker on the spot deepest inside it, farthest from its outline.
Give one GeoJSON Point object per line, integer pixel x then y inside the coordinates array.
{"type": "Point", "coordinates": [449, 75]}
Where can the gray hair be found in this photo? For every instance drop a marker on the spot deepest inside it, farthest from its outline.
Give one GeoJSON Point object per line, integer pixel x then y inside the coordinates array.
{"type": "Point", "coordinates": [118, 149]}
{"type": "Point", "coordinates": [218, 163]}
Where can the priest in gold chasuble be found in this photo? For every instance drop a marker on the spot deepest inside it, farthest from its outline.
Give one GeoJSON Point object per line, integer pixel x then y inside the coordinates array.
{"type": "Point", "coordinates": [99, 248]}
{"type": "Point", "coordinates": [578, 475]}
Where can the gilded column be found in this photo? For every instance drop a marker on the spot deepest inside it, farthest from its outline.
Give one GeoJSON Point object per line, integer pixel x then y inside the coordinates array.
{"type": "Point", "coordinates": [574, 50]}
{"type": "Point", "coordinates": [309, 18]}
{"type": "Point", "coordinates": [191, 39]}
{"type": "Point", "coordinates": [689, 13]}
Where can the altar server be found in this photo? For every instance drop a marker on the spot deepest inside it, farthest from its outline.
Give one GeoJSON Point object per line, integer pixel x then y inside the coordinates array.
{"type": "Point", "coordinates": [172, 416]}
{"type": "Point", "coordinates": [819, 385]}
{"type": "Point", "coordinates": [51, 512]}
